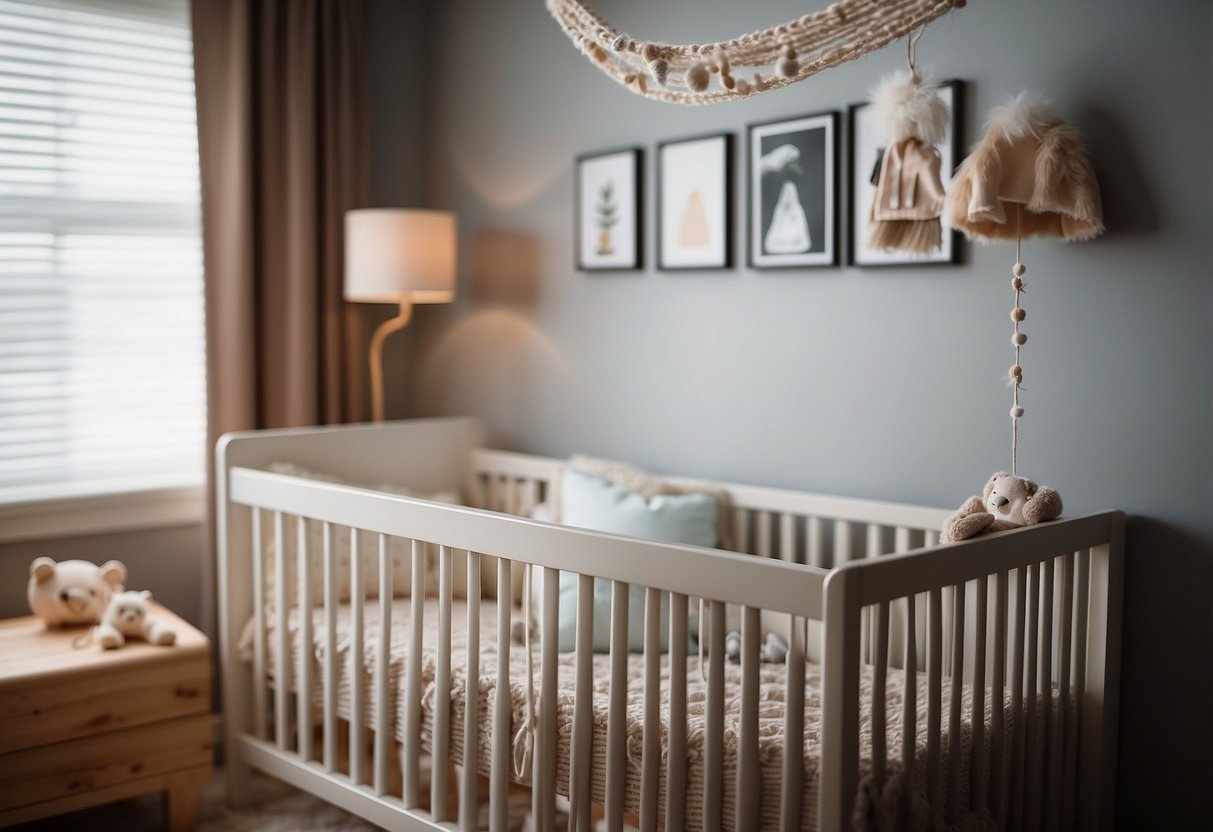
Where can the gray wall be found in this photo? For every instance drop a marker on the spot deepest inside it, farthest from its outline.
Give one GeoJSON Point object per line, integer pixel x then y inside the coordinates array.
{"type": "Point", "coordinates": [168, 561]}
{"type": "Point", "coordinates": [883, 383]}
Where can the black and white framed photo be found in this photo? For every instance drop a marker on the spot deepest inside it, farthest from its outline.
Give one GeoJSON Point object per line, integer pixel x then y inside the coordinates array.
{"type": "Point", "coordinates": [609, 199]}
{"type": "Point", "coordinates": [793, 192]}
{"type": "Point", "coordinates": [867, 148]}
{"type": "Point", "coordinates": [695, 203]}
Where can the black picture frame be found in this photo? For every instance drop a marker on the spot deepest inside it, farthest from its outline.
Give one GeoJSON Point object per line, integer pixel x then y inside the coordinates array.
{"type": "Point", "coordinates": [951, 252]}
{"type": "Point", "coordinates": [828, 256]}
{"type": "Point", "coordinates": [725, 261]}
{"type": "Point", "coordinates": [634, 166]}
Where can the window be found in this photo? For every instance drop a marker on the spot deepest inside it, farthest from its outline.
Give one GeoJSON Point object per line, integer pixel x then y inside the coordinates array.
{"type": "Point", "coordinates": [102, 374]}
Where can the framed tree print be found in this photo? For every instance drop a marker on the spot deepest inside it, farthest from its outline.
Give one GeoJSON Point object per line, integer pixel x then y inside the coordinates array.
{"type": "Point", "coordinates": [695, 203]}
{"type": "Point", "coordinates": [608, 200]}
{"type": "Point", "coordinates": [793, 192]}
{"type": "Point", "coordinates": [867, 151]}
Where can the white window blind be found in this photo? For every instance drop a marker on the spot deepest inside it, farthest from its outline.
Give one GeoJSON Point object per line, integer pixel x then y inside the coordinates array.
{"type": "Point", "coordinates": [102, 374]}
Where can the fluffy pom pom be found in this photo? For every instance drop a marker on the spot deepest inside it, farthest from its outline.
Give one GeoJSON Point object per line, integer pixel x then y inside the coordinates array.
{"type": "Point", "coordinates": [1015, 373]}
{"type": "Point", "coordinates": [1016, 284]}
{"type": "Point", "coordinates": [1019, 339]}
{"type": "Point", "coordinates": [1016, 412]}
{"type": "Point", "coordinates": [1017, 314]}
{"type": "Point", "coordinates": [906, 110]}
{"type": "Point", "coordinates": [697, 77]}
{"type": "Point", "coordinates": [1019, 270]}
{"type": "Point", "coordinates": [660, 70]}
{"type": "Point", "coordinates": [787, 68]}
{"type": "Point", "coordinates": [650, 52]}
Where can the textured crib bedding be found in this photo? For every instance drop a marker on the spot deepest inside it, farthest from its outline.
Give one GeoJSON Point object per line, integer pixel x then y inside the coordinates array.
{"type": "Point", "coordinates": [771, 739]}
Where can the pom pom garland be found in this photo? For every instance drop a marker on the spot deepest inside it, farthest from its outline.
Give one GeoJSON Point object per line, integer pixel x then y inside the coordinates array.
{"type": "Point", "coordinates": [1019, 339]}
{"type": "Point", "coordinates": [1017, 314]}
{"type": "Point", "coordinates": [787, 53]}
{"type": "Point", "coordinates": [1017, 412]}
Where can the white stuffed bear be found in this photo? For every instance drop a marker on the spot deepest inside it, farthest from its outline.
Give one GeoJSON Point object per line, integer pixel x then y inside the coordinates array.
{"type": "Point", "coordinates": [126, 617]}
{"type": "Point", "coordinates": [72, 591]}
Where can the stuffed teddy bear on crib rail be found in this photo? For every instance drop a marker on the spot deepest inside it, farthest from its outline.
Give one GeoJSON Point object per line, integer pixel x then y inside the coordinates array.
{"type": "Point", "coordinates": [1006, 502]}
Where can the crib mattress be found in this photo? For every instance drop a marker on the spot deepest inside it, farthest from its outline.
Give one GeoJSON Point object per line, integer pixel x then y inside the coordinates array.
{"type": "Point", "coordinates": [771, 728]}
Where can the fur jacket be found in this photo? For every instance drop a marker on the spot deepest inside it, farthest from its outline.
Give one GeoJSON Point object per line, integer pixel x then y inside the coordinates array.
{"type": "Point", "coordinates": [1031, 158]}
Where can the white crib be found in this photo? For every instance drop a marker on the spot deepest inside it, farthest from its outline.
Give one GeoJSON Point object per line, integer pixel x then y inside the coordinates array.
{"type": "Point", "coordinates": [1028, 618]}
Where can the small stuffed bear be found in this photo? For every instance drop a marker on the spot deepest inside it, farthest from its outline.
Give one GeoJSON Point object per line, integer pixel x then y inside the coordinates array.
{"type": "Point", "coordinates": [126, 617]}
{"type": "Point", "coordinates": [72, 591]}
{"type": "Point", "coordinates": [1006, 503]}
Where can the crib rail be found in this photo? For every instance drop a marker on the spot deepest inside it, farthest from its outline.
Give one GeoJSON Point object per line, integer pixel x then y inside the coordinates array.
{"type": "Point", "coordinates": [1036, 612]}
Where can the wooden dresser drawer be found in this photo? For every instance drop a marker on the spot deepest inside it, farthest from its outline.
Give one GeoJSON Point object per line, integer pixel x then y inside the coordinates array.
{"type": "Point", "coordinates": [49, 772]}
{"type": "Point", "coordinates": [51, 692]}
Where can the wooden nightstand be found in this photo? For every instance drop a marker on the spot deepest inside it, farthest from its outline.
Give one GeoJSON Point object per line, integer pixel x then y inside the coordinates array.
{"type": "Point", "coordinates": [80, 727]}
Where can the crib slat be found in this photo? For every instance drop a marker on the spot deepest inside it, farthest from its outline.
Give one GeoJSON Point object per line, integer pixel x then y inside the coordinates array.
{"type": "Point", "coordinates": [957, 679]}
{"type": "Point", "coordinates": [469, 780]}
{"type": "Point", "coordinates": [617, 707]}
{"type": "Point", "coordinates": [303, 692]}
{"type": "Point", "coordinates": [410, 749]}
{"type": "Point", "coordinates": [331, 579]}
{"type": "Point", "coordinates": [1048, 571]}
{"type": "Point", "coordinates": [650, 763]}
{"type": "Point", "coordinates": [909, 713]}
{"type": "Point", "coordinates": [901, 539]}
{"type": "Point", "coordinates": [383, 659]}
{"type": "Point", "coordinates": [530, 497]}
{"type": "Point", "coordinates": [1063, 743]}
{"type": "Point", "coordinates": [1018, 739]}
{"type": "Point", "coordinates": [260, 682]}
{"type": "Point", "coordinates": [934, 694]}
{"type": "Point", "coordinates": [787, 537]}
{"type": "Point", "coordinates": [442, 689]}
{"type": "Point", "coordinates": [282, 641]}
{"type": "Point", "coordinates": [763, 519]}
{"type": "Point", "coordinates": [867, 615]}
{"type": "Point", "coordinates": [1032, 802]}
{"type": "Point", "coordinates": [503, 706]}
{"type": "Point", "coordinates": [931, 538]}
{"type": "Point", "coordinates": [998, 702]}
{"type": "Point", "coordinates": [880, 754]}
{"type": "Point", "coordinates": [713, 745]}
{"type": "Point", "coordinates": [676, 754]}
{"type": "Point", "coordinates": [741, 525]}
{"type": "Point", "coordinates": [842, 542]}
{"type": "Point", "coordinates": [813, 533]}
{"type": "Point", "coordinates": [496, 500]}
{"type": "Point", "coordinates": [977, 721]}
{"type": "Point", "coordinates": [357, 724]}
{"type": "Point", "coordinates": [749, 778]}
{"type": "Point", "coordinates": [793, 728]}
{"type": "Point", "coordinates": [545, 750]}
{"type": "Point", "coordinates": [583, 708]}
{"type": "Point", "coordinates": [511, 495]}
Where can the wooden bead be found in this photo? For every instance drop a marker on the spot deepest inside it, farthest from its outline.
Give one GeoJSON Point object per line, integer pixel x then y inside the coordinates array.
{"type": "Point", "coordinates": [1017, 314]}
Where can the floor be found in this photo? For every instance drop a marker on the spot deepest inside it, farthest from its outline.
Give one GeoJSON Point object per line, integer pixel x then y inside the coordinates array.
{"type": "Point", "coordinates": [276, 807]}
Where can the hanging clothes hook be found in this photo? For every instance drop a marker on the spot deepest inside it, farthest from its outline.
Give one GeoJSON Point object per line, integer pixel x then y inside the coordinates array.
{"type": "Point", "coordinates": [911, 43]}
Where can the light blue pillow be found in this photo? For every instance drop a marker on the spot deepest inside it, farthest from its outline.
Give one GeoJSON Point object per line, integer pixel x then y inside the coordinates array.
{"type": "Point", "coordinates": [590, 502]}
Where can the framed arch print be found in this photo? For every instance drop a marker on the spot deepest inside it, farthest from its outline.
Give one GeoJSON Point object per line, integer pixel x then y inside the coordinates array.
{"type": "Point", "coordinates": [608, 200]}
{"type": "Point", "coordinates": [695, 203]}
{"type": "Point", "coordinates": [792, 167]}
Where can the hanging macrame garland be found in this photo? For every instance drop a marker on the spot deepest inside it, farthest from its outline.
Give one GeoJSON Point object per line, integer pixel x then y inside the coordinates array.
{"type": "Point", "coordinates": [768, 59]}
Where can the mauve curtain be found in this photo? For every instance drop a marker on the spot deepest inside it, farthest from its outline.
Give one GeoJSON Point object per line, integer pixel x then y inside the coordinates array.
{"type": "Point", "coordinates": [283, 146]}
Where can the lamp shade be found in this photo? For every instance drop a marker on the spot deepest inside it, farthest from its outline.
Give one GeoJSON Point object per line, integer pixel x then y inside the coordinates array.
{"type": "Point", "coordinates": [394, 254]}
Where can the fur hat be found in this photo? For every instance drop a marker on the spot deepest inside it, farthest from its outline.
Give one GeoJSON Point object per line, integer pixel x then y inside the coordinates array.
{"type": "Point", "coordinates": [1030, 157]}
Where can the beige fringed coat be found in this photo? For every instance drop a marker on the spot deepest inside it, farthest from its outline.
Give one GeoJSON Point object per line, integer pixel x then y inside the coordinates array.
{"type": "Point", "coordinates": [1031, 158]}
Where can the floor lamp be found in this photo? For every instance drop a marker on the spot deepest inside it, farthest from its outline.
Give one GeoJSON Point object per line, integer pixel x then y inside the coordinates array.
{"type": "Point", "coordinates": [395, 255]}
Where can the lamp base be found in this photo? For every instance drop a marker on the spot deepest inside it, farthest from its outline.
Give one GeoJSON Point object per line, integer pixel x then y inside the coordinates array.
{"type": "Point", "coordinates": [376, 354]}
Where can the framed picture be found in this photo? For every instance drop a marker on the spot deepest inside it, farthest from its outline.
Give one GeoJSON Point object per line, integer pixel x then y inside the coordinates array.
{"type": "Point", "coordinates": [608, 199]}
{"type": "Point", "coordinates": [695, 203]}
{"type": "Point", "coordinates": [866, 150]}
{"type": "Point", "coordinates": [793, 192]}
